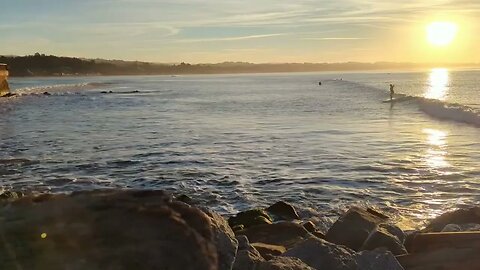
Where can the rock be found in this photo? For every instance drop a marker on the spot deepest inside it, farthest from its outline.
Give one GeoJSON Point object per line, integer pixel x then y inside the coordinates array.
{"type": "Point", "coordinates": [396, 231]}
{"type": "Point", "coordinates": [423, 242]}
{"type": "Point", "coordinates": [238, 228]}
{"type": "Point", "coordinates": [250, 218]}
{"type": "Point", "coordinates": [268, 251]}
{"type": "Point", "coordinates": [381, 238]}
{"type": "Point", "coordinates": [184, 198]}
{"type": "Point", "coordinates": [247, 256]}
{"type": "Point", "coordinates": [11, 195]}
{"type": "Point", "coordinates": [106, 230]}
{"type": "Point", "coordinates": [310, 227]}
{"type": "Point", "coordinates": [320, 254]}
{"type": "Point", "coordinates": [283, 211]}
{"type": "Point", "coordinates": [284, 263]}
{"type": "Point", "coordinates": [353, 228]}
{"type": "Point", "coordinates": [377, 213]}
{"type": "Point", "coordinates": [461, 216]}
{"type": "Point", "coordinates": [285, 234]}
{"type": "Point", "coordinates": [469, 227]}
{"type": "Point", "coordinates": [444, 259]}
{"type": "Point", "coordinates": [224, 238]}
{"type": "Point", "coordinates": [377, 260]}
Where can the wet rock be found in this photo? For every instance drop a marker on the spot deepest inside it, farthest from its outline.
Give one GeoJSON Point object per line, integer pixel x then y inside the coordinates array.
{"type": "Point", "coordinates": [381, 238]}
{"type": "Point", "coordinates": [285, 234]}
{"type": "Point", "coordinates": [268, 251]}
{"type": "Point", "coordinates": [11, 195]}
{"type": "Point", "coordinates": [377, 260]}
{"type": "Point", "coordinates": [283, 211]}
{"type": "Point", "coordinates": [309, 226]}
{"type": "Point", "coordinates": [353, 228]}
{"type": "Point", "coordinates": [250, 218]}
{"type": "Point", "coordinates": [320, 254]}
{"type": "Point", "coordinates": [284, 263]}
{"type": "Point", "coordinates": [184, 198]}
{"type": "Point", "coordinates": [461, 216]}
{"type": "Point", "coordinates": [224, 238]}
{"type": "Point", "coordinates": [247, 256]}
{"type": "Point", "coordinates": [469, 227]}
{"type": "Point", "coordinates": [106, 230]}
{"type": "Point", "coordinates": [238, 228]}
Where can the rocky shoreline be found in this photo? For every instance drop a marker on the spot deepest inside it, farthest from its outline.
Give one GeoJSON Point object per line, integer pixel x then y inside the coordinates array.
{"type": "Point", "coordinates": [151, 229]}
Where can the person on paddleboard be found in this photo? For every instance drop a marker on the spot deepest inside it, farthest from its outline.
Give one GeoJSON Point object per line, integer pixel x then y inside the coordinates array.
{"type": "Point", "coordinates": [391, 91]}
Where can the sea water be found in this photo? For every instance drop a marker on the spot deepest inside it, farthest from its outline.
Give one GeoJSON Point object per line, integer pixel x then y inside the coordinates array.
{"type": "Point", "coordinates": [240, 141]}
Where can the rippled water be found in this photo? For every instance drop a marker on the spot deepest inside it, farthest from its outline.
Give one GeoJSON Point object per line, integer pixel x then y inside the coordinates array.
{"type": "Point", "coordinates": [237, 141]}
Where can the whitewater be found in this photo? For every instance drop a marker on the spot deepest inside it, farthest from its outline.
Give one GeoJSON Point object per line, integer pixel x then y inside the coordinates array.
{"type": "Point", "coordinates": [233, 141]}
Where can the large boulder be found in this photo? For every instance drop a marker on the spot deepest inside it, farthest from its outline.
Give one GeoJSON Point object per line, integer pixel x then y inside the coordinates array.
{"type": "Point", "coordinates": [382, 238]}
{"type": "Point", "coordinates": [224, 239]}
{"type": "Point", "coordinates": [284, 263]}
{"type": "Point", "coordinates": [247, 256]}
{"type": "Point", "coordinates": [461, 216]}
{"type": "Point", "coordinates": [268, 251]}
{"type": "Point", "coordinates": [468, 227]}
{"type": "Point", "coordinates": [377, 260]}
{"type": "Point", "coordinates": [250, 218]}
{"type": "Point", "coordinates": [283, 211]}
{"type": "Point", "coordinates": [320, 254]}
{"type": "Point", "coordinates": [354, 227]}
{"type": "Point", "coordinates": [106, 230]}
{"type": "Point", "coordinates": [285, 234]}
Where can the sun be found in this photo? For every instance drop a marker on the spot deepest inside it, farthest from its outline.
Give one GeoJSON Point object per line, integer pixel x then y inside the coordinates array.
{"type": "Point", "coordinates": [441, 33]}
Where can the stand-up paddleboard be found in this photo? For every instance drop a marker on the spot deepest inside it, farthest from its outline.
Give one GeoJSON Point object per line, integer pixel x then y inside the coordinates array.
{"type": "Point", "coordinates": [397, 99]}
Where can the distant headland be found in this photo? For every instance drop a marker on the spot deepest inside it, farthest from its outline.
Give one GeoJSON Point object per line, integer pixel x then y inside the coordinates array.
{"type": "Point", "coordinates": [50, 65]}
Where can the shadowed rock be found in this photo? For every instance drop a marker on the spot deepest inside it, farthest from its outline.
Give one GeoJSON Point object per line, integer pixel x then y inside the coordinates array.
{"type": "Point", "coordinates": [247, 256]}
{"type": "Point", "coordinates": [321, 254]}
{"type": "Point", "coordinates": [268, 251]}
{"type": "Point", "coordinates": [224, 238]}
{"type": "Point", "coordinates": [283, 263]}
{"type": "Point", "coordinates": [285, 234]}
{"type": "Point", "coordinates": [353, 228]}
{"type": "Point", "coordinates": [283, 211]}
{"type": "Point", "coordinates": [105, 230]}
{"type": "Point", "coordinates": [250, 218]}
{"type": "Point", "coordinates": [461, 216]}
{"type": "Point", "coordinates": [381, 238]}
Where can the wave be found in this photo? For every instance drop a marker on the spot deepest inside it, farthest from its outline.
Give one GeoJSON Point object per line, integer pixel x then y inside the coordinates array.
{"type": "Point", "coordinates": [58, 89]}
{"type": "Point", "coordinates": [445, 110]}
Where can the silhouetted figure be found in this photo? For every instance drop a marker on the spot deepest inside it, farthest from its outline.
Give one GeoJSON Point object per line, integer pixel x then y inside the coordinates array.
{"type": "Point", "coordinates": [391, 91]}
{"type": "Point", "coordinates": [319, 83]}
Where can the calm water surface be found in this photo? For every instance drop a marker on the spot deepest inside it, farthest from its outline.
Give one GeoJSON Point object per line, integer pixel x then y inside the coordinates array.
{"type": "Point", "coordinates": [237, 141]}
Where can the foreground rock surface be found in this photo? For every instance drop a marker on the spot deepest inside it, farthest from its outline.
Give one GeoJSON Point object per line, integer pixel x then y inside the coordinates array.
{"type": "Point", "coordinates": [106, 230]}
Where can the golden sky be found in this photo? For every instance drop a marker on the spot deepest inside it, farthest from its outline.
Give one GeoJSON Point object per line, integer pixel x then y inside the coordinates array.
{"type": "Point", "coordinates": [206, 31]}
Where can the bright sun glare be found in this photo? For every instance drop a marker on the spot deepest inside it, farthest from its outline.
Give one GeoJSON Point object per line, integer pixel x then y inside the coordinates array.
{"type": "Point", "coordinates": [441, 33]}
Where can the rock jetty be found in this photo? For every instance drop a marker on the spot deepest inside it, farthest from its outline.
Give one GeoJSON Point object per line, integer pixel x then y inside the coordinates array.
{"type": "Point", "coordinates": [151, 229]}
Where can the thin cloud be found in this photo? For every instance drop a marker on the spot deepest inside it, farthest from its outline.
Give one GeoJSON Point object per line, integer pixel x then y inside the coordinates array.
{"type": "Point", "coordinates": [336, 38]}
{"type": "Point", "coordinates": [229, 38]}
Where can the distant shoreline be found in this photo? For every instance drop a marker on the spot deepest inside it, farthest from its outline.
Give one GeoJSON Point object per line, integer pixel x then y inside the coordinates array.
{"type": "Point", "coordinates": [40, 65]}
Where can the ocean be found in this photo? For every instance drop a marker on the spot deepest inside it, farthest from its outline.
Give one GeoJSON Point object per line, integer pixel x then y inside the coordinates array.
{"type": "Point", "coordinates": [240, 141]}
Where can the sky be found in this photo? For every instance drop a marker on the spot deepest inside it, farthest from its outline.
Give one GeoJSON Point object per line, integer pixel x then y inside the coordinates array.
{"type": "Point", "coordinates": [258, 31]}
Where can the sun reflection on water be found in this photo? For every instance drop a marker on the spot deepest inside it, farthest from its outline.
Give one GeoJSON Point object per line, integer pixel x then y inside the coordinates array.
{"type": "Point", "coordinates": [438, 84]}
{"type": "Point", "coordinates": [435, 155]}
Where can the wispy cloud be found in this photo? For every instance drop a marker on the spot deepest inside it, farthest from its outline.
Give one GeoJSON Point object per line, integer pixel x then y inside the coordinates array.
{"type": "Point", "coordinates": [229, 38]}
{"type": "Point", "coordinates": [335, 38]}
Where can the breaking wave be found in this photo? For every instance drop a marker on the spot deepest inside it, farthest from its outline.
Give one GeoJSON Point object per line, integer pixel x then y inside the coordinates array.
{"type": "Point", "coordinates": [59, 89]}
{"type": "Point", "coordinates": [445, 110]}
